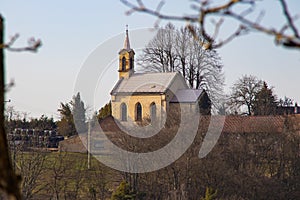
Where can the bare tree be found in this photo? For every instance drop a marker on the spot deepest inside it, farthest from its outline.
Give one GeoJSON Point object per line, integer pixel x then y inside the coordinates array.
{"type": "Point", "coordinates": [182, 43]}
{"type": "Point", "coordinates": [58, 168]}
{"type": "Point", "coordinates": [241, 11]}
{"type": "Point", "coordinates": [31, 166]}
{"type": "Point", "coordinates": [99, 180]}
{"type": "Point", "coordinates": [176, 50]}
{"type": "Point", "coordinates": [244, 92]}
{"type": "Point", "coordinates": [286, 102]}
{"type": "Point", "coordinates": [160, 54]}
{"type": "Point", "coordinates": [204, 70]}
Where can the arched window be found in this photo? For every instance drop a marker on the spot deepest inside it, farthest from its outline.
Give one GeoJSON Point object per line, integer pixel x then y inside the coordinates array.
{"type": "Point", "coordinates": [153, 112]}
{"type": "Point", "coordinates": [123, 64]}
{"type": "Point", "coordinates": [138, 112]}
{"type": "Point", "coordinates": [131, 63]}
{"type": "Point", "coordinates": [123, 112]}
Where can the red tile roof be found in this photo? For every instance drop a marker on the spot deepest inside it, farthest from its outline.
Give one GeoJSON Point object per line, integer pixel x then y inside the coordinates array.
{"type": "Point", "coordinates": [254, 124]}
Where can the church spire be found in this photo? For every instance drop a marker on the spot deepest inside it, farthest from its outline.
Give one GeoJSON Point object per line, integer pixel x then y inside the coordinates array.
{"type": "Point", "coordinates": [126, 59]}
{"type": "Point", "coordinates": [126, 43]}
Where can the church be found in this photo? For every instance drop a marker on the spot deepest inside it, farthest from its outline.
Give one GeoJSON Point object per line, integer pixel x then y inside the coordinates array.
{"type": "Point", "coordinates": [150, 96]}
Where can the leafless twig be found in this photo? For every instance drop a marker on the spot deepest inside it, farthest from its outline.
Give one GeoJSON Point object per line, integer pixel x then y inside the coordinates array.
{"type": "Point", "coordinates": [33, 44]}
{"type": "Point", "coordinates": [287, 35]}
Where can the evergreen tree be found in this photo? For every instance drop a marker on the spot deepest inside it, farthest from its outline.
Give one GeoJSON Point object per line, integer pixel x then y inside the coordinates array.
{"type": "Point", "coordinates": [78, 111]}
{"type": "Point", "coordinates": [42, 123]}
{"type": "Point", "coordinates": [66, 124]}
{"type": "Point", "coordinates": [205, 105]}
{"type": "Point", "coordinates": [73, 120]}
{"type": "Point", "coordinates": [265, 102]}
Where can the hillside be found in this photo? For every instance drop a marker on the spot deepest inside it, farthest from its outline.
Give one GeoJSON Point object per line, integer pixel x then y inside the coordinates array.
{"type": "Point", "coordinates": [254, 158]}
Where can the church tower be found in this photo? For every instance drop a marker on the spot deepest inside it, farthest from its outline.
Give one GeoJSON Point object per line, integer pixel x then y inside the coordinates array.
{"type": "Point", "coordinates": [126, 59]}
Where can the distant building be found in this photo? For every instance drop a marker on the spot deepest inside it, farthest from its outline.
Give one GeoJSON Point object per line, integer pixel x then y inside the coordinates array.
{"type": "Point", "coordinates": [139, 96]}
{"type": "Point", "coordinates": [288, 110]}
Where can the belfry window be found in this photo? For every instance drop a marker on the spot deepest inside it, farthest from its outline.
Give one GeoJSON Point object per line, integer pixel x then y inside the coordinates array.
{"type": "Point", "coordinates": [123, 64]}
{"type": "Point", "coordinates": [131, 63]}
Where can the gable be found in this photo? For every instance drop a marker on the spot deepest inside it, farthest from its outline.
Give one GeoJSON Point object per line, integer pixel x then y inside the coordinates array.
{"type": "Point", "coordinates": [186, 96]}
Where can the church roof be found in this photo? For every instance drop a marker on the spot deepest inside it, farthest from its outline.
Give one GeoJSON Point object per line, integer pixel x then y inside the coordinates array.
{"type": "Point", "coordinates": [145, 83]}
{"type": "Point", "coordinates": [186, 96]}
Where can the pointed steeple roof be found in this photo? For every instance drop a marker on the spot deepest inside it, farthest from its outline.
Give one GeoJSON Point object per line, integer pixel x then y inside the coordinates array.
{"type": "Point", "coordinates": [126, 42]}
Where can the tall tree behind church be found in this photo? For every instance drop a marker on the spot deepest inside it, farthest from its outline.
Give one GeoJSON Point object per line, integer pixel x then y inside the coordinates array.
{"type": "Point", "coordinates": [78, 111]}
{"type": "Point", "coordinates": [176, 50]}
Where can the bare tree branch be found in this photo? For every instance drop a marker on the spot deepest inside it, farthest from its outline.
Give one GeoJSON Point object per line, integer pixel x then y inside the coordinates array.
{"type": "Point", "coordinates": [289, 18]}
{"type": "Point", "coordinates": [9, 181]}
{"type": "Point", "coordinates": [205, 10]}
{"type": "Point", "coordinates": [33, 44]}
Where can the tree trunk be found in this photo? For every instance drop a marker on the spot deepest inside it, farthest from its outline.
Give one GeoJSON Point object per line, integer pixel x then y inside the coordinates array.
{"type": "Point", "coordinates": [9, 182]}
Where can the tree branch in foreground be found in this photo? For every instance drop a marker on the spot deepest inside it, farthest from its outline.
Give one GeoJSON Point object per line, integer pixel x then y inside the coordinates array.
{"type": "Point", "coordinates": [286, 35]}
{"type": "Point", "coordinates": [9, 181]}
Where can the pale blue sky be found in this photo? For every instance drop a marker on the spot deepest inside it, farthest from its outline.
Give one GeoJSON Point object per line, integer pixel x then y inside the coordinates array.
{"type": "Point", "coordinates": [71, 30]}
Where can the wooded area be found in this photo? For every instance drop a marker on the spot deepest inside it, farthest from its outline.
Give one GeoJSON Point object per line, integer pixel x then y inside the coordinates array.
{"type": "Point", "coordinates": [255, 158]}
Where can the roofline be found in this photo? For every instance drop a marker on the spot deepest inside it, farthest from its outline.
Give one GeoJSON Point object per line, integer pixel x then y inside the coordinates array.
{"type": "Point", "coordinates": [200, 96]}
{"type": "Point", "coordinates": [176, 74]}
{"type": "Point", "coordinates": [117, 85]}
{"type": "Point", "coordinates": [130, 50]}
{"type": "Point", "coordinates": [183, 102]}
{"type": "Point", "coordinates": [136, 93]}
{"type": "Point", "coordinates": [164, 91]}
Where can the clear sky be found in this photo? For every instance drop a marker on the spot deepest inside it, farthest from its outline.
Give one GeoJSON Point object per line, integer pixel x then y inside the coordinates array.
{"type": "Point", "coordinates": [71, 30]}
